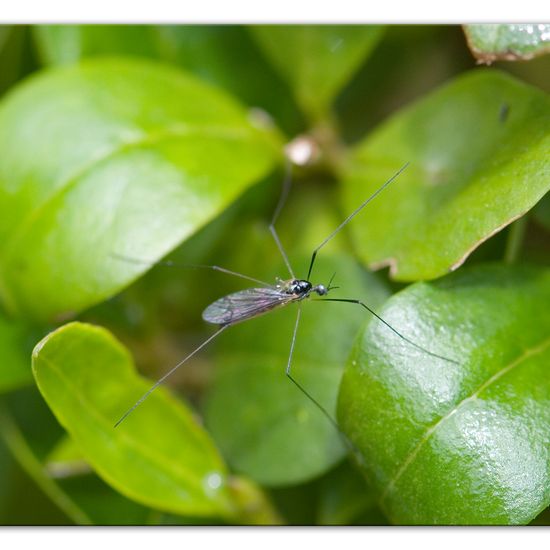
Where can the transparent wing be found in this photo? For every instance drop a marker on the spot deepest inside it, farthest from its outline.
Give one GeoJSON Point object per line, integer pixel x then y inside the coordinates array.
{"type": "Point", "coordinates": [244, 305]}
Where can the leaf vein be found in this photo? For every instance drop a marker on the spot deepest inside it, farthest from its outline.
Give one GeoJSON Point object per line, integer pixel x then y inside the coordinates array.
{"type": "Point", "coordinates": [430, 431]}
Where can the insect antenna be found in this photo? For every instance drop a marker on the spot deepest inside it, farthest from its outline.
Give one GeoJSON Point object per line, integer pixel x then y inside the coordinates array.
{"type": "Point", "coordinates": [169, 373]}
{"type": "Point", "coordinates": [170, 263]}
{"type": "Point", "coordinates": [350, 217]}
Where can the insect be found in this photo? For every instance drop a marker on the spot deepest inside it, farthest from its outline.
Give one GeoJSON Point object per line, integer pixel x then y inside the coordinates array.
{"type": "Point", "coordinates": [250, 303]}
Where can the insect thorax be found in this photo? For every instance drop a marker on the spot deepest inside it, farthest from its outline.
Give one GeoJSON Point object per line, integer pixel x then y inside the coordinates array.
{"type": "Point", "coordinates": [298, 287]}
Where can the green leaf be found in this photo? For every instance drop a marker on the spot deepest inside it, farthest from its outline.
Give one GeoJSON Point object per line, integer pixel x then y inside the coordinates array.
{"type": "Point", "coordinates": [490, 43]}
{"type": "Point", "coordinates": [228, 57]}
{"type": "Point", "coordinates": [224, 55]}
{"type": "Point", "coordinates": [462, 185]}
{"type": "Point", "coordinates": [15, 353]}
{"type": "Point", "coordinates": [462, 443]}
{"type": "Point", "coordinates": [131, 158]}
{"type": "Point", "coordinates": [317, 60]}
{"type": "Point", "coordinates": [63, 44]}
{"type": "Point", "coordinates": [159, 456]}
{"type": "Point", "coordinates": [12, 42]}
{"type": "Point", "coordinates": [265, 427]}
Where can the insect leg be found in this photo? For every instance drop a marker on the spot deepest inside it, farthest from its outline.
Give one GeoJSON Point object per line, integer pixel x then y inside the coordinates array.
{"type": "Point", "coordinates": [282, 200]}
{"type": "Point", "coordinates": [170, 372]}
{"type": "Point", "coordinates": [350, 301]}
{"type": "Point", "coordinates": [344, 438]}
{"type": "Point", "coordinates": [297, 384]}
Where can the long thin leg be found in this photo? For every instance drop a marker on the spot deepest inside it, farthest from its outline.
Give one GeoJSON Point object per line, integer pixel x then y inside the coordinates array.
{"type": "Point", "coordinates": [282, 200]}
{"type": "Point", "coordinates": [352, 215]}
{"type": "Point", "coordinates": [347, 442]}
{"type": "Point", "coordinates": [170, 372]}
{"type": "Point", "coordinates": [350, 301]}
{"type": "Point", "coordinates": [169, 263]}
{"type": "Point", "coordinates": [297, 384]}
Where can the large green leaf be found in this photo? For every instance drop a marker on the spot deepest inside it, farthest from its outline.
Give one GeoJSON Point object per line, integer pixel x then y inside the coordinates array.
{"type": "Point", "coordinates": [61, 44]}
{"type": "Point", "coordinates": [112, 156]}
{"type": "Point", "coordinates": [462, 443]}
{"type": "Point", "coordinates": [317, 60]}
{"type": "Point", "coordinates": [462, 186]}
{"type": "Point", "coordinates": [158, 456]}
{"type": "Point", "coordinates": [224, 55]}
{"type": "Point", "coordinates": [265, 427]}
{"type": "Point", "coordinates": [510, 42]}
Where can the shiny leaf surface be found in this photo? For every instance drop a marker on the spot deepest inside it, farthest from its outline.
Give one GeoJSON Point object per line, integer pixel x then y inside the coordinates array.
{"type": "Point", "coordinates": [465, 443]}
{"type": "Point", "coordinates": [462, 185]}
{"type": "Point", "coordinates": [112, 157]}
{"type": "Point", "coordinates": [88, 379]}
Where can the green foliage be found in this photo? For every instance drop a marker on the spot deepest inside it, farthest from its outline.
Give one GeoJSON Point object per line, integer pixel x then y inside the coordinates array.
{"type": "Point", "coordinates": [510, 42]}
{"type": "Point", "coordinates": [132, 142]}
{"type": "Point", "coordinates": [120, 141]}
{"type": "Point", "coordinates": [463, 185]}
{"type": "Point", "coordinates": [275, 436]}
{"type": "Point", "coordinates": [449, 443]}
{"type": "Point", "coordinates": [323, 58]}
{"type": "Point", "coordinates": [15, 345]}
{"type": "Point", "coordinates": [87, 378]}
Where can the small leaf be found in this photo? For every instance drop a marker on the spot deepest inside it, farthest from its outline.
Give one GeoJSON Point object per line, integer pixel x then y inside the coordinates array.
{"type": "Point", "coordinates": [265, 427]}
{"type": "Point", "coordinates": [112, 157]}
{"type": "Point", "coordinates": [491, 43]}
{"type": "Point", "coordinates": [464, 443]}
{"type": "Point", "coordinates": [317, 60]}
{"type": "Point", "coordinates": [462, 185]}
{"type": "Point", "coordinates": [159, 456]}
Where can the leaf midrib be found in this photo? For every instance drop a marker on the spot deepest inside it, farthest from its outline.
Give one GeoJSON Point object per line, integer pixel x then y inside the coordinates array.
{"type": "Point", "coordinates": [409, 459]}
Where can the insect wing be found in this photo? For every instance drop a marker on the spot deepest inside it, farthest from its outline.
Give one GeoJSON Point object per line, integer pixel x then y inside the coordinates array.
{"type": "Point", "coordinates": [244, 305]}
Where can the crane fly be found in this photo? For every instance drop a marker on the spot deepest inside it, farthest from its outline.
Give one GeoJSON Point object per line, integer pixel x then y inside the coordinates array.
{"type": "Point", "coordinates": [253, 302]}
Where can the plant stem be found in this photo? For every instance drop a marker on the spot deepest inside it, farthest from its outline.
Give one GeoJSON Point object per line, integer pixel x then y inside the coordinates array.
{"type": "Point", "coordinates": [515, 240]}
{"type": "Point", "coordinates": [11, 434]}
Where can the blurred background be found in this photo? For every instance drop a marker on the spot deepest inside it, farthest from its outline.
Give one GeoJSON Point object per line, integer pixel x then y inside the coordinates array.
{"type": "Point", "coordinates": [159, 316]}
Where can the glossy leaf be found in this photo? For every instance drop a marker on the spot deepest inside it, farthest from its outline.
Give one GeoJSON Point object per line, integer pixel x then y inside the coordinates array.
{"type": "Point", "coordinates": [265, 427]}
{"type": "Point", "coordinates": [507, 42]}
{"type": "Point", "coordinates": [462, 185]}
{"type": "Point", "coordinates": [317, 60]}
{"type": "Point", "coordinates": [464, 443]}
{"type": "Point", "coordinates": [159, 456]}
{"type": "Point", "coordinates": [112, 157]}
